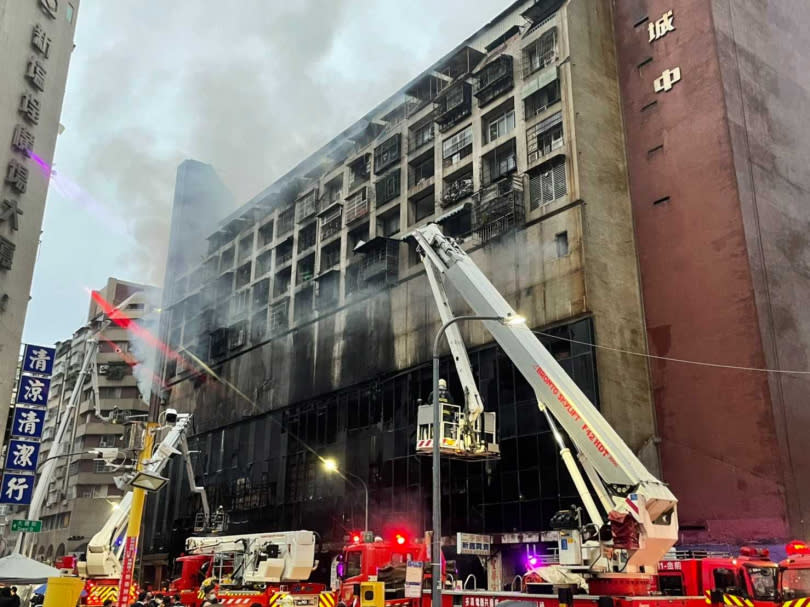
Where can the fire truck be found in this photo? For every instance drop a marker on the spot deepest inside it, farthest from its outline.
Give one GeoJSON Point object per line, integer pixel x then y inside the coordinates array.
{"type": "Point", "coordinates": [265, 568]}
{"type": "Point", "coordinates": [794, 584]}
{"type": "Point", "coordinates": [100, 566]}
{"type": "Point", "coordinates": [621, 556]}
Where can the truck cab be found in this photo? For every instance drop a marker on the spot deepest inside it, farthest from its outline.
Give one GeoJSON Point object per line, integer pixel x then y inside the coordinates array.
{"type": "Point", "coordinates": [190, 577]}
{"type": "Point", "coordinates": [794, 579]}
{"type": "Point", "coordinates": [378, 559]}
{"type": "Point", "coordinates": [751, 577]}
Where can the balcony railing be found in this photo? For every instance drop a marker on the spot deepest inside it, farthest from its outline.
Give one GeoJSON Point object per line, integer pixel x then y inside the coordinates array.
{"type": "Point", "coordinates": [357, 207]}
{"type": "Point", "coordinates": [331, 227]}
{"type": "Point", "coordinates": [494, 79]}
{"type": "Point", "coordinates": [457, 190]}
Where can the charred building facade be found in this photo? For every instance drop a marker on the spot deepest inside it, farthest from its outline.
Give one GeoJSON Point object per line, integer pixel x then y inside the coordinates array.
{"type": "Point", "coordinates": [312, 309]}
{"type": "Point", "coordinates": [312, 302]}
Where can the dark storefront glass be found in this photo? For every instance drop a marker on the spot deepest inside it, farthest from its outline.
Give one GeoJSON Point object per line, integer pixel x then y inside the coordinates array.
{"type": "Point", "coordinates": [262, 472]}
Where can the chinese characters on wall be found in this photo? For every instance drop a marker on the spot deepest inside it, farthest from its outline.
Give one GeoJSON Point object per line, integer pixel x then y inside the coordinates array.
{"type": "Point", "coordinates": [27, 425]}
{"type": "Point", "coordinates": [23, 138]}
{"type": "Point", "coordinates": [658, 29]}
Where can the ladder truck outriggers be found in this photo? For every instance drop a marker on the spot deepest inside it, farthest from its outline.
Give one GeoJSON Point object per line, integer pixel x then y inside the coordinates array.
{"type": "Point", "coordinates": [271, 569]}
{"type": "Point", "coordinates": [623, 552]}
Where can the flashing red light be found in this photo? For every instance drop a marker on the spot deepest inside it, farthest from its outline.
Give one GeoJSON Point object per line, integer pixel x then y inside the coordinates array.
{"type": "Point", "coordinates": [797, 547]}
{"type": "Point", "coordinates": [356, 537]}
{"type": "Point", "coordinates": [763, 553]}
{"type": "Point", "coordinates": [400, 539]}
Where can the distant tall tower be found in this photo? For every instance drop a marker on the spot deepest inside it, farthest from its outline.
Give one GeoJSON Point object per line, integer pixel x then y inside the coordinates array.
{"type": "Point", "coordinates": [35, 48]}
{"type": "Point", "coordinates": [200, 200]}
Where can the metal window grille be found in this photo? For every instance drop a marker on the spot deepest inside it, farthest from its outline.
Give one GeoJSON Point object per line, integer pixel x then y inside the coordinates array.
{"type": "Point", "coordinates": [357, 206]}
{"type": "Point", "coordinates": [544, 137]}
{"type": "Point", "coordinates": [541, 53]}
{"type": "Point", "coordinates": [548, 183]}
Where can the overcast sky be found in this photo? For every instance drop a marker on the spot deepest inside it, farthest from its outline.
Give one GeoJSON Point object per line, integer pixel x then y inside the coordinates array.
{"type": "Point", "coordinates": [251, 91]}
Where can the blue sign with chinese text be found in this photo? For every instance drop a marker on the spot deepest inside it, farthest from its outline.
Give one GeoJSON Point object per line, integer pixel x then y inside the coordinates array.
{"type": "Point", "coordinates": [16, 489]}
{"type": "Point", "coordinates": [38, 359]}
{"type": "Point", "coordinates": [22, 455]}
{"type": "Point", "coordinates": [28, 422]}
{"type": "Point", "coordinates": [33, 390]}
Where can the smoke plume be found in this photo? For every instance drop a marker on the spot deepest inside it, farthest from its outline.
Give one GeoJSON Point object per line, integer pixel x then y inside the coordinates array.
{"type": "Point", "coordinates": [251, 91]}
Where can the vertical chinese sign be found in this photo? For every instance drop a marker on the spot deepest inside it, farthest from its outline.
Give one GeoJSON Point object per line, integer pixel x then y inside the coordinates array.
{"type": "Point", "coordinates": [22, 454]}
{"type": "Point", "coordinates": [14, 176]}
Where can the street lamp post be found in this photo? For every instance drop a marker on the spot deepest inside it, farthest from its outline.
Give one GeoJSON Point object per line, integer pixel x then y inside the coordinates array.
{"type": "Point", "coordinates": [331, 466]}
{"type": "Point", "coordinates": [436, 548]}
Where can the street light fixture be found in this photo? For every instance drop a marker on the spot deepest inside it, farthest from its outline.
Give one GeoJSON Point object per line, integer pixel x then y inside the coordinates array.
{"type": "Point", "coordinates": [330, 465]}
{"type": "Point", "coordinates": [510, 320]}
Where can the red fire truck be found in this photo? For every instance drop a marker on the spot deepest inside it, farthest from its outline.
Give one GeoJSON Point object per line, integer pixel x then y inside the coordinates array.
{"type": "Point", "coordinates": [265, 568]}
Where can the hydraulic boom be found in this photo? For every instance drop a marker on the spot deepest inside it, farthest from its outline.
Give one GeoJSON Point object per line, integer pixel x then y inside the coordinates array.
{"type": "Point", "coordinates": [617, 474]}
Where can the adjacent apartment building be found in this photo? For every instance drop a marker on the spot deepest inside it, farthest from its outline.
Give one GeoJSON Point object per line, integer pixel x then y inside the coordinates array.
{"type": "Point", "coordinates": [36, 41]}
{"type": "Point", "coordinates": [548, 141]}
{"type": "Point", "coordinates": [82, 493]}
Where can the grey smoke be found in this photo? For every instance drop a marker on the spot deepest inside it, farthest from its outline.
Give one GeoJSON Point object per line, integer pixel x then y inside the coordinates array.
{"type": "Point", "coordinates": [251, 91]}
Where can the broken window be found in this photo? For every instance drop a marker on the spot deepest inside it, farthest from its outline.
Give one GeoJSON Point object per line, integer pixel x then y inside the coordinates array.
{"type": "Point", "coordinates": [284, 252]}
{"type": "Point", "coordinates": [258, 326]}
{"type": "Point", "coordinates": [499, 162]}
{"type": "Point", "coordinates": [266, 234]}
{"type": "Point", "coordinates": [305, 270]}
{"type": "Point", "coordinates": [281, 285]}
{"type": "Point", "coordinates": [420, 170]}
{"type": "Point", "coordinates": [264, 263]}
{"type": "Point", "coordinates": [286, 220]}
{"type": "Point", "coordinates": [306, 237]}
{"type": "Point", "coordinates": [303, 304]}
{"type": "Point", "coordinates": [245, 248]}
{"type": "Point", "coordinates": [421, 207]}
{"type": "Point", "coordinates": [237, 336]}
{"type": "Point", "coordinates": [243, 275]}
{"type": "Point", "coordinates": [544, 137]}
{"type": "Point", "coordinates": [261, 293]}
{"type": "Point", "coordinates": [328, 288]}
{"type": "Point", "coordinates": [360, 169]}
{"type": "Point", "coordinates": [226, 260]}
{"type": "Point", "coordinates": [388, 223]}
{"type": "Point", "coordinates": [330, 256]}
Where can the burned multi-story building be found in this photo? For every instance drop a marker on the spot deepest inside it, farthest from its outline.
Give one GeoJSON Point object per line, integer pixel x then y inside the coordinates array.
{"type": "Point", "coordinates": [305, 330]}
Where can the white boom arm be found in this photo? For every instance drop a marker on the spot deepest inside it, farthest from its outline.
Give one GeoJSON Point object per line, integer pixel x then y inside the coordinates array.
{"type": "Point", "coordinates": [472, 398]}
{"type": "Point", "coordinates": [285, 556]}
{"type": "Point", "coordinates": [62, 439]}
{"type": "Point", "coordinates": [102, 553]}
{"type": "Point", "coordinates": [618, 471]}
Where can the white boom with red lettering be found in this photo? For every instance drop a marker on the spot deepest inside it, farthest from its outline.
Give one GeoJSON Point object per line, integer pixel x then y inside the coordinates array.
{"type": "Point", "coordinates": [622, 475]}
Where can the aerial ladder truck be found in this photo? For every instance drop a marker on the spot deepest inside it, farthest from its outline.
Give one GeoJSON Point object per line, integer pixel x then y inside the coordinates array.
{"type": "Point", "coordinates": [100, 565]}
{"type": "Point", "coordinates": [271, 569]}
{"type": "Point", "coordinates": [623, 553]}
